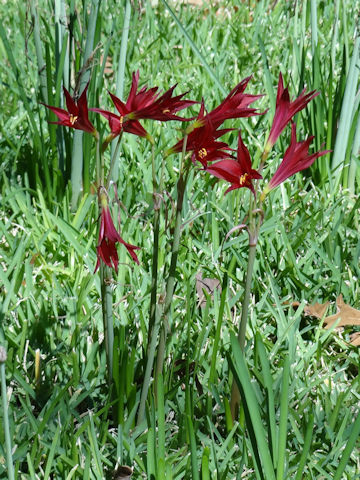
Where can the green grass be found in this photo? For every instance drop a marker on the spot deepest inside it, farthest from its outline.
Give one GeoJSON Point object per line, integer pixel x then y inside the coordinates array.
{"type": "Point", "coordinates": [300, 383]}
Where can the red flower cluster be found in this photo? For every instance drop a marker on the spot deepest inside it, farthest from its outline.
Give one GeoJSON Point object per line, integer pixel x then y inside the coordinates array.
{"type": "Point", "coordinates": [145, 103]}
{"type": "Point", "coordinates": [202, 139]}
{"type": "Point", "coordinates": [203, 135]}
{"type": "Point", "coordinates": [108, 237]}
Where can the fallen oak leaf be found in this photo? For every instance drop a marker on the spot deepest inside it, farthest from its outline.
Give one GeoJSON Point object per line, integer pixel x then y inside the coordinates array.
{"type": "Point", "coordinates": [317, 310]}
{"type": "Point", "coordinates": [355, 339]}
{"type": "Point", "coordinates": [348, 315]}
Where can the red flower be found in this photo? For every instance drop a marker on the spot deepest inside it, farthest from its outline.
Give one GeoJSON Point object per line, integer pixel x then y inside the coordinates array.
{"type": "Point", "coordinates": [77, 115]}
{"type": "Point", "coordinates": [146, 103]}
{"type": "Point", "coordinates": [118, 124]}
{"type": "Point", "coordinates": [238, 172]}
{"type": "Point", "coordinates": [296, 158]}
{"type": "Point", "coordinates": [285, 110]}
{"type": "Point", "coordinates": [203, 134]}
{"type": "Point", "coordinates": [108, 237]}
{"type": "Point", "coordinates": [235, 105]}
{"type": "Point", "coordinates": [202, 141]}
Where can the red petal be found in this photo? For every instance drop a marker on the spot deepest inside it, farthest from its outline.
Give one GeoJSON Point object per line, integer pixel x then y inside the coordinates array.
{"type": "Point", "coordinates": [243, 156]}
{"type": "Point", "coordinates": [70, 104]}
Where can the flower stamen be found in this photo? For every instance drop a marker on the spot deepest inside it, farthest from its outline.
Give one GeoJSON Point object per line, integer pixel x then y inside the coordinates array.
{"type": "Point", "coordinates": [73, 118]}
{"type": "Point", "coordinates": [243, 178]}
{"type": "Point", "coordinates": [202, 153]}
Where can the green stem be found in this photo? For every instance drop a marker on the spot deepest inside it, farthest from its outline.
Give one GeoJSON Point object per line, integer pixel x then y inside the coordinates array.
{"type": "Point", "coordinates": [9, 460]}
{"type": "Point", "coordinates": [181, 185]}
{"type": "Point", "coordinates": [254, 228]}
{"type": "Point", "coordinates": [155, 256]}
{"type": "Point", "coordinates": [148, 369]}
{"type": "Point", "coordinates": [77, 151]}
{"type": "Point", "coordinates": [246, 301]}
{"type": "Point", "coordinates": [160, 315]}
{"type": "Point", "coordinates": [105, 278]}
{"type": "Point", "coordinates": [113, 160]}
{"type": "Point", "coordinates": [106, 299]}
{"type": "Point", "coordinates": [99, 167]}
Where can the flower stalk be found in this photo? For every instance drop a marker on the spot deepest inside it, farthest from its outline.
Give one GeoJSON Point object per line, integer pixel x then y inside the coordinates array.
{"type": "Point", "coordinates": [253, 230]}
{"type": "Point", "coordinates": [113, 160]}
{"type": "Point", "coordinates": [107, 314]}
{"type": "Point", "coordinates": [181, 186]}
{"type": "Point", "coordinates": [160, 314]}
{"type": "Point", "coordinates": [156, 228]}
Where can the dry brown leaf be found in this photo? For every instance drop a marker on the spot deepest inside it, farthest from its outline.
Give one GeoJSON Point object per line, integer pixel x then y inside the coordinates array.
{"type": "Point", "coordinates": [348, 315]}
{"type": "Point", "coordinates": [317, 310]}
{"type": "Point", "coordinates": [207, 284]}
{"type": "Point", "coordinates": [355, 339]}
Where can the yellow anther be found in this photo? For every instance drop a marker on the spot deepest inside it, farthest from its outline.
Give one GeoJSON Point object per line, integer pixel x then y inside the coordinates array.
{"type": "Point", "coordinates": [73, 118]}
{"type": "Point", "coordinates": [202, 153]}
{"type": "Point", "coordinates": [243, 178]}
{"type": "Point", "coordinates": [166, 110]}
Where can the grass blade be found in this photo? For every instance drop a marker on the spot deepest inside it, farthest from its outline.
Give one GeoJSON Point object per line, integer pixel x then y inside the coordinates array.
{"type": "Point", "coordinates": [268, 382]}
{"type": "Point", "coordinates": [195, 49]}
{"type": "Point", "coordinates": [306, 448]}
{"type": "Point", "coordinates": [9, 459]}
{"type": "Point", "coordinates": [354, 436]}
{"type": "Point", "coordinates": [346, 113]}
{"type": "Point", "coordinates": [242, 377]}
{"type": "Point", "coordinates": [52, 453]}
{"type": "Point", "coordinates": [39, 54]}
{"type": "Point", "coordinates": [78, 174]}
{"type": "Point", "coordinates": [284, 407]}
{"type": "Point", "coordinates": [160, 455]}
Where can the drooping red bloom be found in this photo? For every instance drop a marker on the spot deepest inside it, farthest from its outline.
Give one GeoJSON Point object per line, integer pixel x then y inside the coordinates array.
{"type": "Point", "coordinates": [285, 110]}
{"type": "Point", "coordinates": [238, 172]}
{"type": "Point", "coordinates": [296, 158]}
{"type": "Point", "coordinates": [108, 237]}
{"type": "Point", "coordinates": [145, 103]}
{"type": "Point", "coordinates": [77, 114]}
